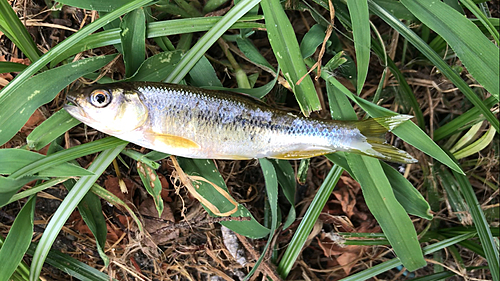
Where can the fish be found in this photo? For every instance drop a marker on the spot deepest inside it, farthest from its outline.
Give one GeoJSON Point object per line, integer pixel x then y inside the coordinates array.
{"type": "Point", "coordinates": [210, 124]}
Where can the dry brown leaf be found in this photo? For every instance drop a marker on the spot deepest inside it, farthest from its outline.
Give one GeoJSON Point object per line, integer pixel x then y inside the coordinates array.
{"type": "Point", "coordinates": [148, 210]}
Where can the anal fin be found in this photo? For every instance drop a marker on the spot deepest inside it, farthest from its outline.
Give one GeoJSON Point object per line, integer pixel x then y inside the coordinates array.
{"type": "Point", "coordinates": [301, 154]}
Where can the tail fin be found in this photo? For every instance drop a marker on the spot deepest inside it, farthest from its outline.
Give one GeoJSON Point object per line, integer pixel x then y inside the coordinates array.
{"type": "Point", "coordinates": [374, 130]}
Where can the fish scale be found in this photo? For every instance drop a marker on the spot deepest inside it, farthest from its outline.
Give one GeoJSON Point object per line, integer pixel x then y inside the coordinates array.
{"type": "Point", "coordinates": [199, 123]}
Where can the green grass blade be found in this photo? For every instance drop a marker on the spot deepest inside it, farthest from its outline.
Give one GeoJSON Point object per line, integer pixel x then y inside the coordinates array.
{"type": "Point", "coordinates": [379, 195]}
{"type": "Point", "coordinates": [72, 266]}
{"type": "Point", "coordinates": [453, 195]}
{"type": "Point", "coordinates": [479, 55]}
{"type": "Point", "coordinates": [133, 38]}
{"type": "Point", "coordinates": [91, 211]}
{"type": "Point", "coordinates": [388, 265]}
{"type": "Point", "coordinates": [408, 196]}
{"type": "Point", "coordinates": [57, 124]}
{"type": "Point", "coordinates": [67, 155]}
{"type": "Point", "coordinates": [360, 20]}
{"type": "Point", "coordinates": [312, 40]}
{"type": "Point", "coordinates": [17, 32]}
{"type": "Point", "coordinates": [205, 42]}
{"type": "Point", "coordinates": [286, 179]}
{"type": "Point", "coordinates": [462, 122]}
{"type": "Point", "coordinates": [18, 240]}
{"type": "Point", "coordinates": [391, 216]}
{"type": "Point", "coordinates": [436, 60]}
{"type": "Point", "coordinates": [482, 18]}
{"type": "Point", "coordinates": [405, 91]}
{"type": "Point", "coordinates": [9, 187]}
{"type": "Point", "coordinates": [35, 190]}
{"type": "Point", "coordinates": [155, 30]}
{"type": "Point", "coordinates": [157, 67]}
{"type": "Point", "coordinates": [68, 205]}
{"type": "Point", "coordinates": [286, 49]}
{"type": "Point", "coordinates": [481, 224]}
{"type": "Point", "coordinates": [6, 67]}
{"type": "Point", "coordinates": [271, 181]}
{"type": "Point", "coordinates": [98, 5]}
{"type": "Point", "coordinates": [477, 146]}
{"type": "Point", "coordinates": [18, 105]}
{"type": "Point", "coordinates": [19, 80]}
{"type": "Point", "coordinates": [14, 159]}
{"type": "Point", "coordinates": [304, 229]}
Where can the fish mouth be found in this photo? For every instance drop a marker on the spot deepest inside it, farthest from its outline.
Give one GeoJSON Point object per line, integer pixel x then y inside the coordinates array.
{"type": "Point", "coordinates": [74, 109]}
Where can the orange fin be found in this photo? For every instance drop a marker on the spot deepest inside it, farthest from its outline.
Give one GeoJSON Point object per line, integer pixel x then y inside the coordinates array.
{"type": "Point", "coordinates": [300, 154]}
{"type": "Point", "coordinates": [170, 140]}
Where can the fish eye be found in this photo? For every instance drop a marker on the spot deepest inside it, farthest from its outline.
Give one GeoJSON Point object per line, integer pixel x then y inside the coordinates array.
{"type": "Point", "coordinates": [100, 98]}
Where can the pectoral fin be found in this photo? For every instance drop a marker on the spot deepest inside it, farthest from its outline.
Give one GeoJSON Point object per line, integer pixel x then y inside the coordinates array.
{"type": "Point", "coordinates": [168, 140]}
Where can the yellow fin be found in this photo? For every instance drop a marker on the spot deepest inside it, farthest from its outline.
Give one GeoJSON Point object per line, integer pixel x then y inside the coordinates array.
{"type": "Point", "coordinates": [300, 154]}
{"type": "Point", "coordinates": [170, 140]}
{"type": "Point", "coordinates": [230, 157]}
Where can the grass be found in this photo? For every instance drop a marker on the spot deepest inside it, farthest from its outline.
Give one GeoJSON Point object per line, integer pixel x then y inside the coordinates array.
{"type": "Point", "coordinates": [435, 60]}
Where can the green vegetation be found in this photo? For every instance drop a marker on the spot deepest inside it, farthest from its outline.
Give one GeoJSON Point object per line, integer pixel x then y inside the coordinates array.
{"type": "Point", "coordinates": [366, 67]}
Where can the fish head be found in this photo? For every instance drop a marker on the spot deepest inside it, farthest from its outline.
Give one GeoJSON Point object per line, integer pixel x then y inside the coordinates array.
{"type": "Point", "coordinates": [108, 108]}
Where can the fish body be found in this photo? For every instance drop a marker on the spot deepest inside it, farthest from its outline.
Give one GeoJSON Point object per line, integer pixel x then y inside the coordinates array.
{"type": "Point", "coordinates": [199, 123]}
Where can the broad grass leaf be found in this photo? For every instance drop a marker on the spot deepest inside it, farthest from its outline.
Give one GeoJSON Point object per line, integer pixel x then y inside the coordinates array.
{"type": "Point", "coordinates": [56, 125]}
{"type": "Point", "coordinates": [358, 9]}
{"type": "Point", "coordinates": [18, 240]}
{"type": "Point", "coordinates": [286, 50]}
{"type": "Point", "coordinates": [153, 30]}
{"type": "Point", "coordinates": [408, 196]}
{"type": "Point", "coordinates": [412, 201]}
{"type": "Point", "coordinates": [203, 74]}
{"type": "Point", "coordinates": [479, 55]}
{"type": "Point", "coordinates": [91, 211]}
{"type": "Point", "coordinates": [72, 266]}
{"type": "Point", "coordinates": [97, 5]}
{"type": "Point", "coordinates": [7, 66]}
{"type": "Point", "coordinates": [157, 67]}
{"type": "Point", "coordinates": [69, 203]}
{"type": "Point", "coordinates": [133, 38]}
{"type": "Point", "coordinates": [16, 108]}
{"type": "Point", "coordinates": [312, 40]}
{"type": "Point", "coordinates": [9, 187]}
{"type": "Point", "coordinates": [397, 9]}
{"type": "Point", "coordinates": [14, 29]}
{"type": "Point", "coordinates": [66, 155]}
{"type": "Point", "coordinates": [286, 179]}
{"type": "Point", "coordinates": [14, 159]}
{"type": "Point", "coordinates": [462, 122]}
{"type": "Point", "coordinates": [391, 216]}
{"type": "Point", "coordinates": [379, 195]}
{"type": "Point", "coordinates": [252, 53]}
